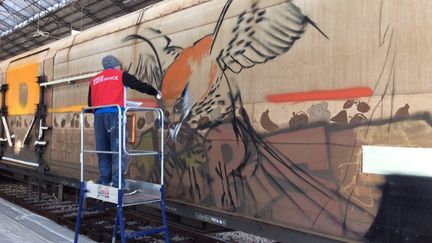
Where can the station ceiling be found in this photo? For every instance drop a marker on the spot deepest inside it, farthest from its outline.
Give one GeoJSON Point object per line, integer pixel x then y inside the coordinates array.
{"type": "Point", "coordinates": [28, 24]}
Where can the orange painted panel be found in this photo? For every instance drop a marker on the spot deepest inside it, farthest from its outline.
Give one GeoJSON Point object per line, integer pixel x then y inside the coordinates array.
{"type": "Point", "coordinates": [23, 94]}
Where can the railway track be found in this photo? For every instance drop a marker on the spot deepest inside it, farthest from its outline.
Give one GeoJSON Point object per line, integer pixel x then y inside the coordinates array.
{"type": "Point", "coordinates": [97, 225]}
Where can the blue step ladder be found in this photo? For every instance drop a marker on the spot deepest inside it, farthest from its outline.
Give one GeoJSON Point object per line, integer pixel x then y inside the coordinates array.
{"type": "Point", "coordinates": [144, 192]}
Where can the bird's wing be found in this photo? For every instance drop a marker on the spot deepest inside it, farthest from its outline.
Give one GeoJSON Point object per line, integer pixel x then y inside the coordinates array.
{"type": "Point", "coordinates": [262, 34]}
{"type": "Point", "coordinates": [150, 68]}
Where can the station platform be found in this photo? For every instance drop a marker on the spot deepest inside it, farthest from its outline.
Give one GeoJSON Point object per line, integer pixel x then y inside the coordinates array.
{"type": "Point", "coordinates": [20, 225]}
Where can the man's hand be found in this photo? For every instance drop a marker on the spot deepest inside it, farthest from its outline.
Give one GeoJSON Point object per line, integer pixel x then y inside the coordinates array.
{"type": "Point", "coordinates": [159, 95]}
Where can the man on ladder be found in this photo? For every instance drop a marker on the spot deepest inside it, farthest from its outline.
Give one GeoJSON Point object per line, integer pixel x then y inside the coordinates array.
{"type": "Point", "coordinates": [107, 88]}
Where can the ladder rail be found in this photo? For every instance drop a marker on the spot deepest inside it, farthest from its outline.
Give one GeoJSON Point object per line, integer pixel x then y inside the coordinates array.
{"type": "Point", "coordinates": [160, 154]}
{"type": "Point", "coordinates": [82, 150]}
{"type": "Point", "coordinates": [99, 152]}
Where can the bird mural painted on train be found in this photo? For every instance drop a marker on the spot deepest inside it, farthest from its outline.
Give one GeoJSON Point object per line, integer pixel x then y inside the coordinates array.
{"type": "Point", "coordinates": [259, 35]}
{"type": "Point", "coordinates": [195, 82]}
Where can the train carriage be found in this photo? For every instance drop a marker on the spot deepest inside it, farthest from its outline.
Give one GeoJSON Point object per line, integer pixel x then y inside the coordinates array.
{"type": "Point", "coordinates": [268, 106]}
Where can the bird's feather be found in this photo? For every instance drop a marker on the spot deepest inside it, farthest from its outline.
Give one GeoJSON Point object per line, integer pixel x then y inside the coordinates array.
{"type": "Point", "coordinates": [261, 34]}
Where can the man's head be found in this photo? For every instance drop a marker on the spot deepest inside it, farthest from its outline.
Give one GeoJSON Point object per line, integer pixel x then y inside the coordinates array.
{"type": "Point", "coordinates": [110, 62]}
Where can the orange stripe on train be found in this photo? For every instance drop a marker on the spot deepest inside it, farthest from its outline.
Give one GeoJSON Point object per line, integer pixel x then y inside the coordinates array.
{"type": "Point", "coordinates": [337, 94]}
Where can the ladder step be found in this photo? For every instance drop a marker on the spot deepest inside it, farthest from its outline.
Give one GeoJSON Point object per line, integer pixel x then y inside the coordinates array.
{"type": "Point", "coordinates": [146, 193]}
{"type": "Point", "coordinates": [140, 198]}
{"type": "Point", "coordinates": [143, 192]}
{"type": "Point", "coordinates": [142, 152]}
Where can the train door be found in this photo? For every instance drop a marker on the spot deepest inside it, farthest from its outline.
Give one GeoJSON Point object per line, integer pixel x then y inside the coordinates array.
{"type": "Point", "coordinates": [22, 98]}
